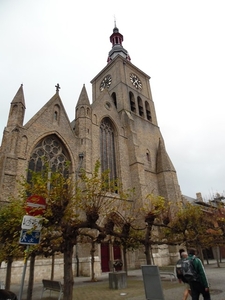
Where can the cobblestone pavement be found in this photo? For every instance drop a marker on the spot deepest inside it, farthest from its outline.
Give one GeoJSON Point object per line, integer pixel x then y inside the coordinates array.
{"type": "Point", "coordinates": [84, 289]}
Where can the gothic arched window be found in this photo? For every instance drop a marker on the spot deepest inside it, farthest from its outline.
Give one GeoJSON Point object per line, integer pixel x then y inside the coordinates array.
{"type": "Point", "coordinates": [107, 147]}
{"type": "Point", "coordinates": [50, 150]}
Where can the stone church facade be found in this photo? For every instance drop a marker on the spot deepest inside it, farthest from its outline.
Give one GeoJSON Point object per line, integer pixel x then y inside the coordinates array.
{"type": "Point", "coordinates": [119, 127]}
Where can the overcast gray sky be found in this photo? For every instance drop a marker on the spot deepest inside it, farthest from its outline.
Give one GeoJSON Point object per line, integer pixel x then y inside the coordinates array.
{"type": "Point", "coordinates": [180, 44]}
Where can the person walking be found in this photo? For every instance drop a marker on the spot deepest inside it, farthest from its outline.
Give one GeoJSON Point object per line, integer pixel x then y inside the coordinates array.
{"type": "Point", "coordinates": [201, 285]}
{"type": "Point", "coordinates": [187, 291]}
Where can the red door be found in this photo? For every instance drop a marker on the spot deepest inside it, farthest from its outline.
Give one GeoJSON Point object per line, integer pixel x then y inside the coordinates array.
{"type": "Point", "coordinates": [105, 257]}
{"type": "Point", "coordinates": [117, 256]}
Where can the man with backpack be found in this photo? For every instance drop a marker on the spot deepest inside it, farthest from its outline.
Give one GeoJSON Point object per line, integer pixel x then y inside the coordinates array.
{"type": "Point", "coordinates": [194, 272]}
{"type": "Point", "coordinates": [187, 291]}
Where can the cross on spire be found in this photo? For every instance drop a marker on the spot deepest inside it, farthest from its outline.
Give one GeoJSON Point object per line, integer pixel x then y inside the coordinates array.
{"type": "Point", "coordinates": [57, 87]}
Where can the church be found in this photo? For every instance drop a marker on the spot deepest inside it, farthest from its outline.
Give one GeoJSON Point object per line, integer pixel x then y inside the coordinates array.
{"type": "Point", "coordinates": [118, 126]}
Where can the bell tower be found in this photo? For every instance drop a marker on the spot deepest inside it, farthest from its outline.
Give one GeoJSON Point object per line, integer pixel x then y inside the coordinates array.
{"type": "Point", "coordinates": [116, 39]}
{"type": "Point", "coordinates": [142, 160]}
{"type": "Point", "coordinates": [128, 86]}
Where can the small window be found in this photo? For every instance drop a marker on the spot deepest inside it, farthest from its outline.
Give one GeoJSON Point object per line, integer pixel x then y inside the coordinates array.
{"type": "Point", "coordinates": [56, 113]}
{"type": "Point", "coordinates": [148, 159]}
{"type": "Point", "coordinates": [114, 98]}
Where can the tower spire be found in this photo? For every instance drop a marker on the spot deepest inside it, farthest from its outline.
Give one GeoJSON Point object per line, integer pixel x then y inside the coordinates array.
{"type": "Point", "coordinates": [17, 109]}
{"type": "Point", "coordinates": [117, 48]}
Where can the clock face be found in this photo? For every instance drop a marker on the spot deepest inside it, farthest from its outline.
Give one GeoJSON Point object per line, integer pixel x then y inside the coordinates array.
{"type": "Point", "coordinates": [107, 80]}
{"type": "Point", "coordinates": [135, 81]}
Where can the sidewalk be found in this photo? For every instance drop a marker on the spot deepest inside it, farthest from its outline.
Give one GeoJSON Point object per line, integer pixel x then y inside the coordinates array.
{"type": "Point", "coordinates": [84, 289]}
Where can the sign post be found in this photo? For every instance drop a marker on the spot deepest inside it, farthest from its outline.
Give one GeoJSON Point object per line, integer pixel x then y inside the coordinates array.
{"type": "Point", "coordinates": [36, 205]}
{"type": "Point", "coordinates": [31, 229]}
{"type": "Point", "coordinates": [24, 272]}
{"type": "Point", "coordinates": [30, 222]}
{"type": "Point", "coordinates": [28, 237]}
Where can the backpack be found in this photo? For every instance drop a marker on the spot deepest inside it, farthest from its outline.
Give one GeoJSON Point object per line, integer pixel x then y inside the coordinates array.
{"type": "Point", "coordinates": [178, 270]}
{"type": "Point", "coordinates": [187, 270]}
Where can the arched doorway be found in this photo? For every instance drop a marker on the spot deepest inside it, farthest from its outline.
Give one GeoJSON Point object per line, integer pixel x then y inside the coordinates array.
{"type": "Point", "coordinates": [106, 260]}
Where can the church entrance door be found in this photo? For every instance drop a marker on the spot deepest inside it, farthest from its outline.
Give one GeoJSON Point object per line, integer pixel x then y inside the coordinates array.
{"type": "Point", "coordinates": [105, 256]}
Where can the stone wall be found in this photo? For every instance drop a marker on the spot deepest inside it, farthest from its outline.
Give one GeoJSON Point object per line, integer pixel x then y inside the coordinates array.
{"type": "Point", "coordinates": [43, 269]}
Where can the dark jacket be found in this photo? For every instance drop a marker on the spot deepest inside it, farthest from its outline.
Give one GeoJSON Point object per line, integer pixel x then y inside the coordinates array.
{"type": "Point", "coordinates": [200, 270]}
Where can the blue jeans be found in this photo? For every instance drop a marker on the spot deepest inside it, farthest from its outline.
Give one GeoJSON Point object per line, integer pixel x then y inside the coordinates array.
{"type": "Point", "coordinates": [197, 289]}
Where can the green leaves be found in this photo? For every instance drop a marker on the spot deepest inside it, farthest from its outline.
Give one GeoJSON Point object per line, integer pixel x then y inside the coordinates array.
{"type": "Point", "coordinates": [10, 226]}
{"type": "Point", "coordinates": [194, 225]}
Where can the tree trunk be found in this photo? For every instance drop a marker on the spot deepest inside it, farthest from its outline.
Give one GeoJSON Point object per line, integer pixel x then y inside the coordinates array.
{"type": "Point", "coordinates": [147, 245]}
{"type": "Point", "coordinates": [148, 254]}
{"type": "Point", "coordinates": [78, 262]}
{"type": "Point", "coordinates": [68, 271]}
{"type": "Point", "coordinates": [93, 261]}
{"type": "Point", "coordinates": [217, 256]}
{"type": "Point", "coordinates": [8, 273]}
{"type": "Point", "coordinates": [152, 258]}
{"type": "Point", "coordinates": [206, 256]}
{"type": "Point", "coordinates": [53, 267]}
{"type": "Point", "coordinates": [125, 259]}
{"type": "Point", "coordinates": [31, 278]}
{"type": "Point", "coordinates": [200, 253]}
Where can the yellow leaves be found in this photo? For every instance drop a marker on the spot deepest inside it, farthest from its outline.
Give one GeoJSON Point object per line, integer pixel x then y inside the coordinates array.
{"type": "Point", "coordinates": [195, 223]}
{"type": "Point", "coordinates": [155, 209]}
{"type": "Point", "coordinates": [96, 192]}
{"type": "Point", "coordinates": [154, 203]}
